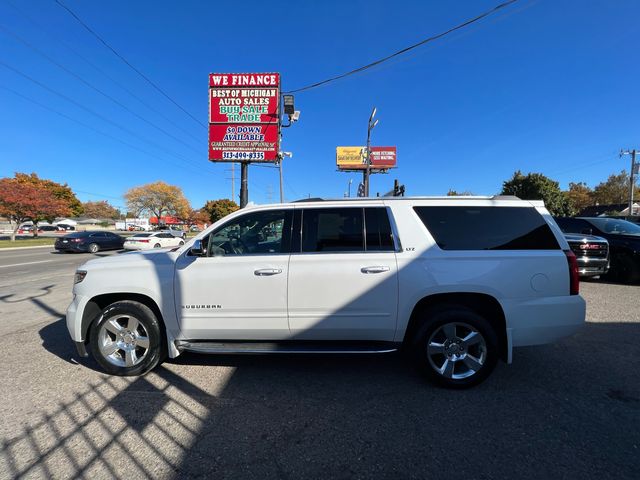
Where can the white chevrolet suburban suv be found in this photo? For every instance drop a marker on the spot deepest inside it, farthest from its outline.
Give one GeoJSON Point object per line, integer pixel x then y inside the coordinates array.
{"type": "Point", "coordinates": [456, 282]}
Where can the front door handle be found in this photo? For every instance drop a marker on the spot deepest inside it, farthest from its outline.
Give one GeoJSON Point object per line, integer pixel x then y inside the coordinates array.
{"type": "Point", "coordinates": [265, 272]}
{"type": "Point", "coordinates": [376, 269]}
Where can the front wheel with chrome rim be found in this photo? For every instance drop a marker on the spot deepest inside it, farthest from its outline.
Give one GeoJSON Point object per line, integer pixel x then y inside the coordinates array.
{"type": "Point", "coordinates": [126, 339]}
{"type": "Point", "coordinates": [456, 347]}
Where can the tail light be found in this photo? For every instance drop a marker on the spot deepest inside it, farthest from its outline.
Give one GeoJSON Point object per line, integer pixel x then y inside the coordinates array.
{"type": "Point", "coordinates": [574, 278]}
{"type": "Point", "coordinates": [77, 240]}
{"type": "Point", "coordinates": [143, 241]}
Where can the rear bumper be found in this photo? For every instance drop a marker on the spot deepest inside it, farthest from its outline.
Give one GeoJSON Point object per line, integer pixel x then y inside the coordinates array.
{"type": "Point", "coordinates": [543, 320]}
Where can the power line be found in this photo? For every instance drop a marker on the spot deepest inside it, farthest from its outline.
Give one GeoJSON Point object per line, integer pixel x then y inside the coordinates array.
{"type": "Point", "coordinates": [119, 140]}
{"type": "Point", "coordinates": [404, 50]}
{"type": "Point", "coordinates": [102, 117]}
{"type": "Point", "coordinates": [147, 79]}
{"type": "Point", "coordinates": [92, 87]}
{"type": "Point", "coordinates": [102, 72]}
{"type": "Point", "coordinates": [100, 195]}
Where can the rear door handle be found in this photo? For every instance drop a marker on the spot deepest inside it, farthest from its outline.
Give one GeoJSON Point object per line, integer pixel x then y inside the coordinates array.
{"type": "Point", "coordinates": [265, 272]}
{"type": "Point", "coordinates": [376, 269]}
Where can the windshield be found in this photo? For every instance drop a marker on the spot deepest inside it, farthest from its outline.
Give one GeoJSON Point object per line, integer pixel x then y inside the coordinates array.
{"type": "Point", "coordinates": [615, 226]}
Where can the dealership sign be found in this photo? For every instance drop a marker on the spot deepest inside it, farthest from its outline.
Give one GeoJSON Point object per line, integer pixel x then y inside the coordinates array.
{"type": "Point", "coordinates": [354, 158]}
{"type": "Point", "coordinates": [244, 117]}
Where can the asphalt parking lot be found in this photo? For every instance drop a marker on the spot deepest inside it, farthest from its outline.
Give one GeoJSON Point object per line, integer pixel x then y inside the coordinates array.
{"type": "Point", "coordinates": [568, 410]}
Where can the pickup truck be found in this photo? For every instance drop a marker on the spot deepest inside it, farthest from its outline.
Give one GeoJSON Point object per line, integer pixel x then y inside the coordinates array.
{"type": "Point", "coordinates": [457, 283]}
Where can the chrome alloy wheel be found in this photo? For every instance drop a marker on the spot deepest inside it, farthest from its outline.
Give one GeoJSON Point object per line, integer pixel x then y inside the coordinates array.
{"type": "Point", "coordinates": [456, 350]}
{"type": "Point", "coordinates": [123, 341]}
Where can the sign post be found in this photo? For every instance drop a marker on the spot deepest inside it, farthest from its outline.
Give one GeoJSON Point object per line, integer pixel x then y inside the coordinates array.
{"type": "Point", "coordinates": [244, 121]}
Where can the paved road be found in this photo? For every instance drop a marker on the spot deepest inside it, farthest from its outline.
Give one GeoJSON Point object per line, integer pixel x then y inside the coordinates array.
{"type": "Point", "coordinates": [570, 410]}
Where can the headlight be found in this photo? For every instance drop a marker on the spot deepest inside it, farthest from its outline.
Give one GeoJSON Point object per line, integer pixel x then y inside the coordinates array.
{"type": "Point", "coordinates": [80, 274]}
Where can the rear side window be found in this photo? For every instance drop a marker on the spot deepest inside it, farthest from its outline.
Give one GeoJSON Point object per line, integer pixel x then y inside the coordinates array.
{"type": "Point", "coordinates": [487, 228]}
{"type": "Point", "coordinates": [376, 223]}
{"type": "Point", "coordinates": [332, 230]}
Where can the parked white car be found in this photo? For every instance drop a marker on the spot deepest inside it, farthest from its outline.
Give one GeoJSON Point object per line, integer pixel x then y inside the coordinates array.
{"type": "Point", "coordinates": [148, 241]}
{"type": "Point", "coordinates": [457, 281]}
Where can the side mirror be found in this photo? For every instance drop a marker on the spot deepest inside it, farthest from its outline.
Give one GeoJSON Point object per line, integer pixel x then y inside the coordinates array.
{"type": "Point", "coordinates": [587, 231]}
{"type": "Point", "coordinates": [196, 248]}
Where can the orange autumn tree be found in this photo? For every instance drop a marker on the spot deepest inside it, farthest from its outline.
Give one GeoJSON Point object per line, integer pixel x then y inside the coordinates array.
{"type": "Point", "coordinates": [20, 202]}
{"type": "Point", "coordinates": [158, 199]}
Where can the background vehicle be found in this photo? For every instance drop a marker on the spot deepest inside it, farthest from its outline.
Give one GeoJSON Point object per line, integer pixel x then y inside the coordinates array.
{"type": "Point", "coordinates": [147, 241]}
{"type": "Point", "coordinates": [173, 230]}
{"type": "Point", "coordinates": [592, 254]}
{"type": "Point", "coordinates": [623, 238]}
{"type": "Point", "coordinates": [350, 276]}
{"type": "Point", "coordinates": [49, 228]}
{"type": "Point", "coordinates": [24, 229]}
{"type": "Point", "coordinates": [66, 227]}
{"type": "Point", "coordinates": [89, 242]}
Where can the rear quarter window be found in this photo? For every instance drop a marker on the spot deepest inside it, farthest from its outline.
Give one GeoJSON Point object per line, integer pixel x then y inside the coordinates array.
{"type": "Point", "coordinates": [487, 228]}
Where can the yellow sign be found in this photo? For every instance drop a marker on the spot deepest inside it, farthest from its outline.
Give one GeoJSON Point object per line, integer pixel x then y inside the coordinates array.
{"type": "Point", "coordinates": [350, 157]}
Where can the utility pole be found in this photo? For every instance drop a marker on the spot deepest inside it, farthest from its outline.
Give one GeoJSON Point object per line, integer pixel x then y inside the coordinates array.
{"type": "Point", "coordinates": [233, 180]}
{"type": "Point", "coordinates": [632, 182]}
{"type": "Point", "coordinates": [281, 187]}
{"type": "Point", "coordinates": [244, 188]}
{"type": "Point", "coordinates": [367, 172]}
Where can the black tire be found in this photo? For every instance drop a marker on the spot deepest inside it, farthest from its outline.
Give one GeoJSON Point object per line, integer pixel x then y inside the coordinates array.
{"type": "Point", "coordinates": [181, 243]}
{"type": "Point", "coordinates": [157, 245]}
{"type": "Point", "coordinates": [93, 248]}
{"type": "Point", "coordinates": [434, 321]}
{"type": "Point", "coordinates": [120, 312]}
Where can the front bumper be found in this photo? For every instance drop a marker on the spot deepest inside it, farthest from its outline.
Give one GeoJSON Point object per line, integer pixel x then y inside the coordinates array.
{"type": "Point", "coordinates": [82, 349]}
{"type": "Point", "coordinates": [591, 267]}
{"type": "Point", "coordinates": [74, 318]}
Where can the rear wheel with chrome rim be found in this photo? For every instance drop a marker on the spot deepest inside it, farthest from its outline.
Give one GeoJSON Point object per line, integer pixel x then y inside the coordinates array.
{"type": "Point", "coordinates": [126, 339]}
{"type": "Point", "coordinates": [455, 347]}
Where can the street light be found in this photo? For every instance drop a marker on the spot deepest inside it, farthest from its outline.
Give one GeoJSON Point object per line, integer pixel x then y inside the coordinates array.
{"type": "Point", "coordinates": [367, 171]}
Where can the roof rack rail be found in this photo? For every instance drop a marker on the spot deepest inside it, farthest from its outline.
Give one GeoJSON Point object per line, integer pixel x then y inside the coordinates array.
{"type": "Point", "coordinates": [505, 197]}
{"type": "Point", "coordinates": [313, 199]}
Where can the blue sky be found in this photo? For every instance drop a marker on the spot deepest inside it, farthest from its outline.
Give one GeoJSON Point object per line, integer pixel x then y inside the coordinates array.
{"type": "Point", "coordinates": [544, 86]}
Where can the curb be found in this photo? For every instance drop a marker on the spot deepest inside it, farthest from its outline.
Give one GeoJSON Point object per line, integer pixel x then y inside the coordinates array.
{"type": "Point", "coordinates": [8, 249]}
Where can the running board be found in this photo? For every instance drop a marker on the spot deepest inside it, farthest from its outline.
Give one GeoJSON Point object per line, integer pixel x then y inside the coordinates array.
{"type": "Point", "coordinates": [285, 347]}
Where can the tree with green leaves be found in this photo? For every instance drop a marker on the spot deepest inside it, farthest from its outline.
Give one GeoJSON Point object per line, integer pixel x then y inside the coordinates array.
{"type": "Point", "coordinates": [218, 209]}
{"type": "Point", "coordinates": [455, 193]}
{"type": "Point", "coordinates": [580, 195]}
{"type": "Point", "coordinates": [614, 190]}
{"type": "Point", "coordinates": [535, 186]}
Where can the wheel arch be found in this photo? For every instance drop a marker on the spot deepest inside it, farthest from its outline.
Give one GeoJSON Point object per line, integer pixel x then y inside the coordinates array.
{"type": "Point", "coordinates": [481, 303]}
{"type": "Point", "coordinates": [100, 302]}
